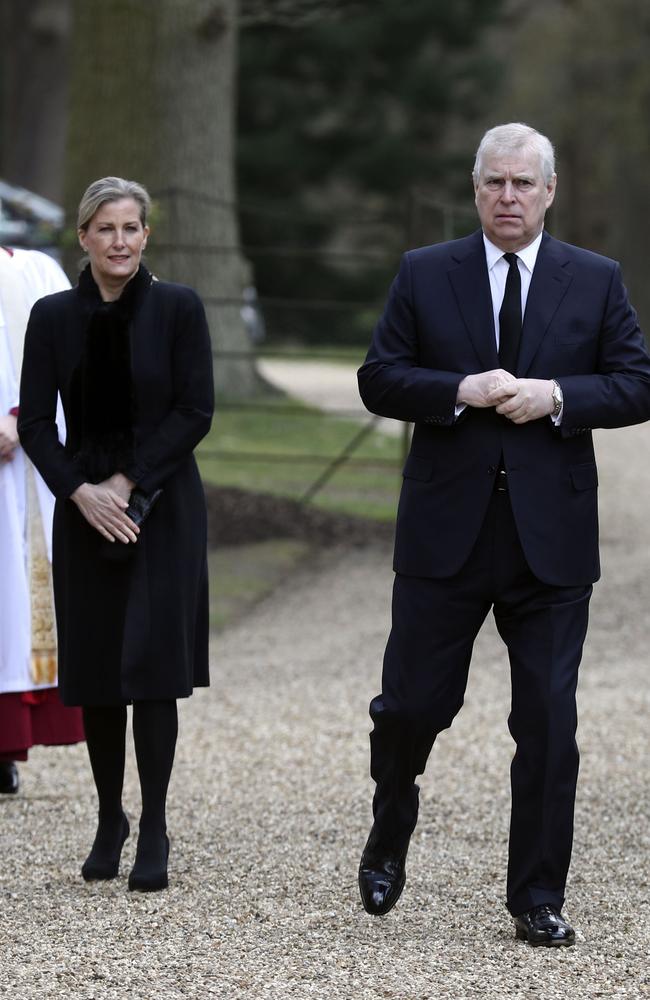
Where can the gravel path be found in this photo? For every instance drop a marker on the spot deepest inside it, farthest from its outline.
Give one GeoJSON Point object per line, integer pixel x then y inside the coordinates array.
{"type": "Point", "coordinates": [270, 807]}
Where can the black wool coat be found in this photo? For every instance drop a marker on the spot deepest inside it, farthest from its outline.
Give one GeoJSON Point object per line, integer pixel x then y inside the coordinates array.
{"type": "Point", "coordinates": [133, 629]}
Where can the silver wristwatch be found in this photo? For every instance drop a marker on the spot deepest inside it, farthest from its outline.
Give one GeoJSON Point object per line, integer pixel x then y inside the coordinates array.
{"type": "Point", "coordinates": [558, 399]}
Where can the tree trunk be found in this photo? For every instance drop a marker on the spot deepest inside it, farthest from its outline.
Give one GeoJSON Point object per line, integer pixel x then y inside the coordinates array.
{"type": "Point", "coordinates": [34, 41]}
{"type": "Point", "coordinates": [153, 100]}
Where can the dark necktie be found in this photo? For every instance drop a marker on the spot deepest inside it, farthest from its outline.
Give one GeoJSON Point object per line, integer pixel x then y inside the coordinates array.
{"type": "Point", "coordinates": [510, 317]}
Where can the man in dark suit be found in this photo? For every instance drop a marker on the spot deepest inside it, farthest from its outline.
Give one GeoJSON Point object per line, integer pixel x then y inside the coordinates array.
{"type": "Point", "coordinates": [504, 349]}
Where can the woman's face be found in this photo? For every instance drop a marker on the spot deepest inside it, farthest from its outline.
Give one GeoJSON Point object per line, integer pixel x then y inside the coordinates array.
{"type": "Point", "coordinates": [114, 240]}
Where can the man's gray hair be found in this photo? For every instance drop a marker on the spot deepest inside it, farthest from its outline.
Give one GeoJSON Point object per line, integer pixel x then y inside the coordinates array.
{"type": "Point", "coordinates": [513, 138]}
{"type": "Point", "coordinates": [111, 189]}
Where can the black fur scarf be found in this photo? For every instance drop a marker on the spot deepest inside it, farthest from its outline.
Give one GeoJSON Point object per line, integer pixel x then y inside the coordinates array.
{"type": "Point", "coordinates": [106, 398]}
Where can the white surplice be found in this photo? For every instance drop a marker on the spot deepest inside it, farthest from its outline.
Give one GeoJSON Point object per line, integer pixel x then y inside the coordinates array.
{"type": "Point", "coordinates": [26, 504]}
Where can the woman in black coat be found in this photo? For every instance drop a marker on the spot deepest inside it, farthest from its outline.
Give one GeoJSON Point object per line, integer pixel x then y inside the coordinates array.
{"type": "Point", "coordinates": [131, 359]}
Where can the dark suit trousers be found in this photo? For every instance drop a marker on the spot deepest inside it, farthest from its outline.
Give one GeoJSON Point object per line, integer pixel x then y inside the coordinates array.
{"type": "Point", "coordinates": [425, 673]}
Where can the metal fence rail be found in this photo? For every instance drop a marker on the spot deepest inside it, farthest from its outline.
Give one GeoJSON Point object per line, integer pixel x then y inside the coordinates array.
{"type": "Point", "coordinates": [328, 464]}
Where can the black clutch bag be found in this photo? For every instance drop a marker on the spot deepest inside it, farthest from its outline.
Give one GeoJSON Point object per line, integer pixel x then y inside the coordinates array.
{"type": "Point", "coordinates": [140, 506]}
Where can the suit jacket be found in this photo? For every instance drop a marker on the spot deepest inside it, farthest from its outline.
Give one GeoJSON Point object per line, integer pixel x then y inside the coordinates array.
{"type": "Point", "coordinates": [437, 327]}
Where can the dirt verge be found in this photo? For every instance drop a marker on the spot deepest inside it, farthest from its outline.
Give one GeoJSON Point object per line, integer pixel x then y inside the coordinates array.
{"type": "Point", "coordinates": [239, 517]}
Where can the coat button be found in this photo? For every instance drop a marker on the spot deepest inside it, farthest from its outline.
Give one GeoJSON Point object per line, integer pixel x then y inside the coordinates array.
{"type": "Point", "coordinates": [491, 470]}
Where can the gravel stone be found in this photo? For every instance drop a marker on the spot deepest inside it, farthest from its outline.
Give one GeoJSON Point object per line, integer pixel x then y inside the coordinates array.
{"type": "Point", "coordinates": [270, 807]}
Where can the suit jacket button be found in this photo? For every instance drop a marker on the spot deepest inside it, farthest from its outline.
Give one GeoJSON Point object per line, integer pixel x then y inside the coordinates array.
{"type": "Point", "coordinates": [491, 470]}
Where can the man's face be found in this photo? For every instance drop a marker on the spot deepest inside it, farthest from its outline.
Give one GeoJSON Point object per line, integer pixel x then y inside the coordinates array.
{"type": "Point", "coordinates": [512, 197]}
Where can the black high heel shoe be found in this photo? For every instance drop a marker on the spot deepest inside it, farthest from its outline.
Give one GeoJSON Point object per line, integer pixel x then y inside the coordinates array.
{"type": "Point", "coordinates": [149, 873]}
{"type": "Point", "coordinates": [103, 862]}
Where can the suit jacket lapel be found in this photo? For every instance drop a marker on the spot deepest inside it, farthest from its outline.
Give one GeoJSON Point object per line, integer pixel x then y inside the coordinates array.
{"type": "Point", "coordinates": [548, 286]}
{"type": "Point", "coordinates": [471, 285]}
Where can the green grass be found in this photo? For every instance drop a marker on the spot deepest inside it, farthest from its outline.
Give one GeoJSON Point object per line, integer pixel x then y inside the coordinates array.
{"type": "Point", "coordinates": [346, 354]}
{"type": "Point", "coordinates": [241, 576]}
{"type": "Point", "coordinates": [247, 441]}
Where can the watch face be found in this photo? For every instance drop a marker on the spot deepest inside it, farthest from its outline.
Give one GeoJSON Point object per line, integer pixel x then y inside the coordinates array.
{"type": "Point", "coordinates": [557, 400]}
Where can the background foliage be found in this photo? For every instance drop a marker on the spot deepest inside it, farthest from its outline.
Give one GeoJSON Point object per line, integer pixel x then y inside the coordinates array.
{"type": "Point", "coordinates": [344, 133]}
{"type": "Point", "coordinates": [347, 129]}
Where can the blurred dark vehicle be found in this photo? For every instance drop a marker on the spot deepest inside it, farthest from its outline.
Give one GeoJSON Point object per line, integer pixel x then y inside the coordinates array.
{"type": "Point", "coordinates": [27, 220]}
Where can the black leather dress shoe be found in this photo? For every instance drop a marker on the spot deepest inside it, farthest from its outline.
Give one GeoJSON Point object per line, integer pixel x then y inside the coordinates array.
{"type": "Point", "coordinates": [9, 782]}
{"type": "Point", "coordinates": [544, 925]}
{"type": "Point", "coordinates": [382, 875]}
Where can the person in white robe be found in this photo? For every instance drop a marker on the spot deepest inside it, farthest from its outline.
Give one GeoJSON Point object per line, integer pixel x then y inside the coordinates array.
{"type": "Point", "coordinates": [29, 708]}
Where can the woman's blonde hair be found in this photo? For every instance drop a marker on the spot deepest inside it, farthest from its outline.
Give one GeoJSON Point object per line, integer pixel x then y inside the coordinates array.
{"type": "Point", "coordinates": [111, 189]}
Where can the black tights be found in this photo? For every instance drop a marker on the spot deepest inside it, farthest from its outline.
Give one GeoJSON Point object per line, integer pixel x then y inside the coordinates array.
{"type": "Point", "coordinates": [155, 727]}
